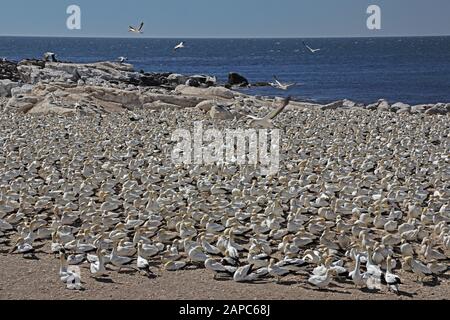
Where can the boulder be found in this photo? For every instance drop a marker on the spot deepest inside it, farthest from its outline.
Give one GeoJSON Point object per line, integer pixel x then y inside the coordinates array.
{"type": "Point", "coordinates": [6, 86]}
{"type": "Point", "coordinates": [421, 108]}
{"type": "Point", "coordinates": [400, 106]}
{"type": "Point", "coordinates": [438, 109]}
{"type": "Point", "coordinates": [206, 92]}
{"type": "Point", "coordinates": [373, 106]}
{"type": "Point", "coordinates": [206, 105]}
{"type": "Point", "coordinates": [219, 112]}
{"type": "Point", "coordinates": [177, 79]}
{"type": "Point", "coordinates": [348, 104]}
{"type": "Point", "coordinates": [23, 90]}
{"type": "Point", "coordinates": [179, 100]}
{"type": "Point", "coordinates": [333, 106]}
{"type": "Point", "coordinates": [235, 79]}
{"type": "Point", "coordinates": [383, 105]}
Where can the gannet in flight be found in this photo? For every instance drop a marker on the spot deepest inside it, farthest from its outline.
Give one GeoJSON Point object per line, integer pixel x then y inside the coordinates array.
{"type": "Point", "coordinates": [136, 30]}
{"type": "Point", "coordinates": [179, 46]}
{"type": "Point", "coordinates": [122, 59]}
{"type": "Point", "coordinates": [282, 86]}
{"type": "Point", "coordinates": [310, 49]}
{"type": "Point", "coordinates": [266, 122]}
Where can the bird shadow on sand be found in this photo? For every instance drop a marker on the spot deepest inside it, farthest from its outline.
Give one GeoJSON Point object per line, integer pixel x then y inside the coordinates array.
{"type": "Point", "coordinates": [406, 294]}
{"type": "Point", "coordinates": [325, 290]}
{"type": "Point", "coordinates": [371, 291]}
{"type": "Point", "coordinates": [287, 282]}
{"type": "Point", "coordinates": [105, 280]}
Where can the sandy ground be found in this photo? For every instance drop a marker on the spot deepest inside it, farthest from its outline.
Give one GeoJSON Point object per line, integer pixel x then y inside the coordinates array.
{"type": "Point", "coordinates": [38, 279]}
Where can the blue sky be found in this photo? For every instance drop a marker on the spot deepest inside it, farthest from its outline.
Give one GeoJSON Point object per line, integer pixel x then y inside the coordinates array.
{"type": "Point", "coordinates": [226, 18]}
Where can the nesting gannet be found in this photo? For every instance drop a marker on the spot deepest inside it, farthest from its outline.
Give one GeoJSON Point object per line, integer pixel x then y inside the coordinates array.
{"type": "Point", "coordinates": [357, 277]}
{"type": "Point", "coordinates": [196, 254]}
{"type": "Point", "coordinates": [245, 274]}
{"type": "Point", "coordinates": [391, 279]}
{"type": "Point", "coordinates": [136, 30]}
{"type": "Point", "coordinates": [310, 49]}
{"type": "Point", "coordinates": [179, 46]}
{"type": "Point", "coordinates": [174, 265]}
{"type": "Point", "coordinates": [69, 277]}
{"type": "Point", "coordinates": [322, 281]}
{"type": "Point", "coordinates": [281, 86]}
{"type": "Point", "coordinates": [118, 261]}
{"type": "Point", "coordinates": [219, 269]}
{"type": "Point", "coordinates": [418, 268]}
{"type": "Point", "coordinates": [97, 268]}
{"type": "Point", "coordinates": [266, 122]}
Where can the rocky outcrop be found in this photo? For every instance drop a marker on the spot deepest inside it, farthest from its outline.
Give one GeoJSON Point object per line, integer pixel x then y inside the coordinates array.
{"type": "Point", "coordinates": [212, 92]}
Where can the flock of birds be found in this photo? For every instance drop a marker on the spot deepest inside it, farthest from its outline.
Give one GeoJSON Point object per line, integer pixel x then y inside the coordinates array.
{"type": "Point", "coordinates": [357, 198]}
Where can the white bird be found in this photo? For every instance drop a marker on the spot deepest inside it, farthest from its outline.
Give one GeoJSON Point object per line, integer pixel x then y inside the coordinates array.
{"type": "Point", "coordinates": [418, 268]}
{"type": "Point", "coordinates": [218, 268]}
{"type": "Point", "coordinates": [356, 275]}
{"type": "Point", "coordinates": [179, 46]}
{"type": "Point", "coordinates": [70, 278]}
{"type": "Point", "coordinates": [174, 265]}
{"type": "Point", "coordinates": [122, 59]}
{"type": "Point", "coordinates": [51, 56]}
{"type": "Point", "coordinates": [98, 267]}
{"type": "Point", "coordinates": [136, 30]}
{"type": "Point", "coordinates": [280, 85]}
{"type": "Point", "coordinates": [392, 280]}
{"type": "Point", "coordinates": [266, 122]}
{"type": "Point", "coordinates": [322, 281]}
{"type": "Point", "coordinates": [245, 274]}
{"type": "Point", "coordinates": [310, 49]}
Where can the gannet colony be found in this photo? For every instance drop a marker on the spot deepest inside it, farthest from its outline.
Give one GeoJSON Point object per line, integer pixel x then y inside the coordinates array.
{"type": "Point", "coordinates": [361, 197]}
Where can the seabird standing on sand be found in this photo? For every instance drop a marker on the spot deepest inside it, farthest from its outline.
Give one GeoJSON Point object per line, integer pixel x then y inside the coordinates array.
{"type": "Point", "coordinates": [282, 86]}
{"type": "Point", "coordinates": [136, 30]}
{"type": "Point", "coordinates": [179, 46]}
{"type": "Point", "coordinates": [266, 122]}
{"type": "Point", "coordinates": [310, 49]}
{"type": "Point", "coordinates": [50, 55]}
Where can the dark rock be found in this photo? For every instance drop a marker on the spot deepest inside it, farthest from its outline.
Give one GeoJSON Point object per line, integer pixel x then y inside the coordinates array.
{"type": "Point", "coordinates": [8, 71]}
{"type": "Point", "coordinates": [235, 79]}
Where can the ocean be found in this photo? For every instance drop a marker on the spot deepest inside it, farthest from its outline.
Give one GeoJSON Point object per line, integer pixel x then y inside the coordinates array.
{"type": "Point", "coordinates": [413, 70]}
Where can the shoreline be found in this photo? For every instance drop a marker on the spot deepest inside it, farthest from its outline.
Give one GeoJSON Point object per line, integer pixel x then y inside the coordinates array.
{"type": "Point", "coordinates": [29, 83]}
